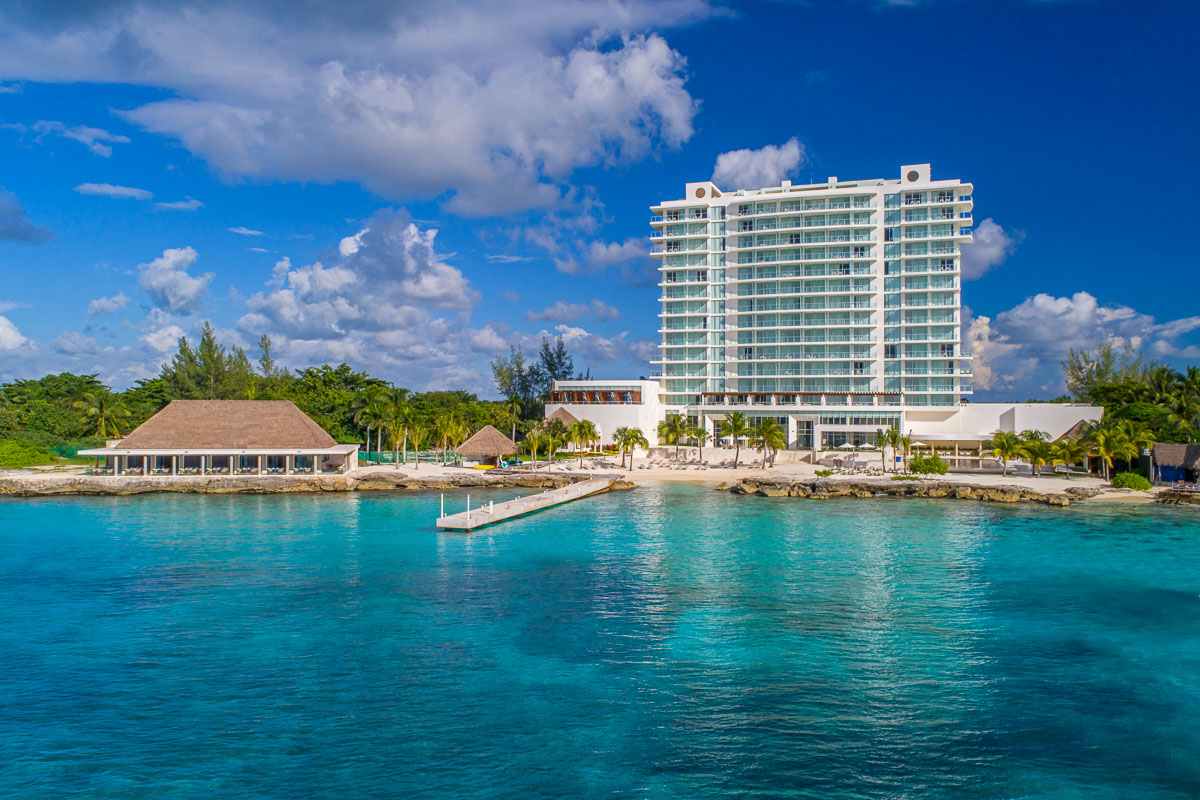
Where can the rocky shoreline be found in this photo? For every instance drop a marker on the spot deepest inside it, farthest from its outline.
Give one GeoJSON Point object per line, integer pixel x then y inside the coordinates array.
{"type": "Point", "coordinates": [60, 485]}
{"type": "Point", "coordinates": [825, 489]}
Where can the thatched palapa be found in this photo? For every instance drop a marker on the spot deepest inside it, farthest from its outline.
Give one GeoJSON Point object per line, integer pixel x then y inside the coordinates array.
{"type": "Point", "coordinates": [226, 437]}
{"type": "Point", "coordinates": [228, 424]}
{"type": "Point", "coordinates": [1078, 432]}
{"type": "Point", "coordinates": [487, 443]}
{"type": "Point", "coordinates": [563, 416]}
{"type": "Point", "coordinates": [1179, 456]}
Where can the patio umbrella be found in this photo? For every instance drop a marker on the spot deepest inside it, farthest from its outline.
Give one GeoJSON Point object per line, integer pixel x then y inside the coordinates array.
{"type": "Point", "coordinates": [845, 446]}
{"type": "Point", "coordinates": [867, 446]}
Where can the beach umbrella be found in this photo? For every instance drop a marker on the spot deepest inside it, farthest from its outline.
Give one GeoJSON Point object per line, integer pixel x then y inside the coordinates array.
{"type": "Point", "coordinates": [845, 446]}
{"type": "Point", "coordinates": [867, 446]}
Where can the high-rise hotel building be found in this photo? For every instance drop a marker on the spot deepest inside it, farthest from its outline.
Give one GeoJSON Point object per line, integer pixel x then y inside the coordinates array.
{"type": "Point", "coordinates": [833, 307]}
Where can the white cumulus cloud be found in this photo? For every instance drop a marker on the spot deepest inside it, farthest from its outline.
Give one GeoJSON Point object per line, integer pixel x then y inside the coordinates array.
{"type": "Point", "coordinates": [107, 305]}
{"type": "Point", "coordinates": [989, 247]}
{"type": "Point", "coordinates": [10, 335]}
{"type": "Point", "coordinates": [754, 169]}
{"type": "Point", "coordinates": [167, 280]}
{"type": "Point", "coordinates": [1019, 352]}
{"type": "Point", "coordinates": [494, 103]}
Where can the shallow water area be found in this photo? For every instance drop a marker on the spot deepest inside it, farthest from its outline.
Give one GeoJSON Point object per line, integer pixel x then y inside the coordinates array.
{"type": "Point", "coordinates": [668, 642]}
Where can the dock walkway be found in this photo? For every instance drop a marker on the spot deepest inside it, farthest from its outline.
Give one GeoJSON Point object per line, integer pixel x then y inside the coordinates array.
{"type": "Point", "coordinates": [498, 512]}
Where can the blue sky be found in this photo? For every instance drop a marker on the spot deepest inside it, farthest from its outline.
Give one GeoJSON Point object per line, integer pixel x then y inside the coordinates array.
{"type": "Point", "coordinates": [415, 188]}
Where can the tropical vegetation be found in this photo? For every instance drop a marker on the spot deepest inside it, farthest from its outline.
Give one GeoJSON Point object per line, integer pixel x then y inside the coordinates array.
{"type": "Point", "coordinates": [768, 437]}
{"type": "Point", "coordinates": [61, 413]}
{"type": "Point", "coordinates": [1165, 400]}
{"type": "Point", "coordinates": [737, 427]}
{"type": "Point", "coordinates": [928, 465]}
{"type": "Point", "coordinates": [1131, 480]}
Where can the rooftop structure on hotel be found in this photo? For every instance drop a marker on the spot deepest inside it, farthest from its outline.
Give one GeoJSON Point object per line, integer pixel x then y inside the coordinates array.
{"type": "Point", "coordinates": [226, 437]}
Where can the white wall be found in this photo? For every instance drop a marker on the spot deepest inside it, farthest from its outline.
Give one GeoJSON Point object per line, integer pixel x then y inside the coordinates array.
{"type": "Point", "coordinates": [607, 418]}
{"type": "Point", "coordinates": [975, 421]}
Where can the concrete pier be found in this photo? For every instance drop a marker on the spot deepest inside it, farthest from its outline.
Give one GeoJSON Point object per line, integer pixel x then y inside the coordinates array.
{"type": "Point", "coordinates": [491, 513]}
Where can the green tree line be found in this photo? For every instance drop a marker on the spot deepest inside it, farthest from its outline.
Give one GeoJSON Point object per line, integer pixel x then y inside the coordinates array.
{"type": "Point", "coordinates": [70, 411]}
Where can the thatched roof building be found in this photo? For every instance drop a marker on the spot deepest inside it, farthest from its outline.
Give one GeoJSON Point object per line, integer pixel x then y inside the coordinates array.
{"type": "Point", "coordinates": [1179, 456]}
{"type": "Point", "coordinates": [1077, 432]}
{"type": "Point", "coordinates": [226, 437]}
{"type": "Point", "coordinates": [226, 424]}
{"type": "Point", "coordinates": [563, 416]}
{"type": "Point", "coordinates": [487, 443]}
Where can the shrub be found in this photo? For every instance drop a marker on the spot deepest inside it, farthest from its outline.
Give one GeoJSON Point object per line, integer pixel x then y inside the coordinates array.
{"type": "Point", "coordinates": [16, 454]}
{"type": "Point", "coordinates": [905, 478]}
{"type": "Point", "coordinates": [824, 473]}
{"type": "Point", "coordinates": [1130, 480]}
{"type": "Point", "coordinates": [927, 465]}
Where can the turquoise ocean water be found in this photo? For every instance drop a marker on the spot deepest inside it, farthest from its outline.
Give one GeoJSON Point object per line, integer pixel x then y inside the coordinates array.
{"type": "Point", "coordinates": [671, 642]}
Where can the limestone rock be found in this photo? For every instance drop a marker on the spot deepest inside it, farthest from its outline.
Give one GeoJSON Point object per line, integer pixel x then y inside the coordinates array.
{"type": "Point", "coordinates": [824, 489]}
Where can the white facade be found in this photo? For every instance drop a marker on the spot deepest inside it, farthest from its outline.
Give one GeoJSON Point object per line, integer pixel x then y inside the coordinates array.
{"type": "Point", "coordinates": [814, 303]}
{"type": "Point", "coordinates": [974, 422]}
{"type": "Point", "coordinates": [610, 405]}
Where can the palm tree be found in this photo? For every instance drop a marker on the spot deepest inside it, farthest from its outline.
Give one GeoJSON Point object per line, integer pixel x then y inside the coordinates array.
{"type": "Point", "coordinates": [768, 436]}
{"type": "Point", "coordinates": [885, 439]}
{"type": "Point", "coordinates": [628, 439]}
{"type": "Point", "coordinates": [367, 407]}
{"type": "Point", "coordinates": [701, 435]}
{"type": "Point", "coordinates": [459, 432]}
{"type": "Point", "coordinates": [1005, 445]}
{"type": "Point", "coordinates": [442, 429]}
{"type": "Point", "coordinates": [583, 432]}
{"type": "Point", "coordinates": [1039, 453]}
{"type": "Point", "coordinates": [1068, 452]}
{"type": "Point", "coordinates": [402, 416]}
{"type": "Point", "coordinates": [737, 427]}
{"type": "Point", "coordinates": [553, 426]}
{"type": "Point", "coordinates": [106, 411]}
{"type": "Point", "coordinates": [904, 444]}
{"type": "Point", "coordinates": [415, 432]}
{"type": "Point", "coordinates": [512, 413]}
{"type": "Point", "coordinates": [1162, 383]}
{"type": "Point", "coordinates": [673, 430]}
{"type": "Point", "coordinates": [554, 443]}
{"type": "Point", "coordinates": [1141, 437]}
{"type": "Point", "coordinates": [534, 439]}
{"type": "Point", "coordinates": [1110, 442]}
{"type": "Point", "coordinates": [1183, 409]}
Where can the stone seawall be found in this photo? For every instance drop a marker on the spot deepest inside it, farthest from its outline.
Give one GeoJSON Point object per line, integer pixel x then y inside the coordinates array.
{"type": "Point", "coordinates": [1178, 498]}
{"type": "Point", "coordinates": [823, 489]}
{"type": "Point", "coordinates": [56, 485]}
